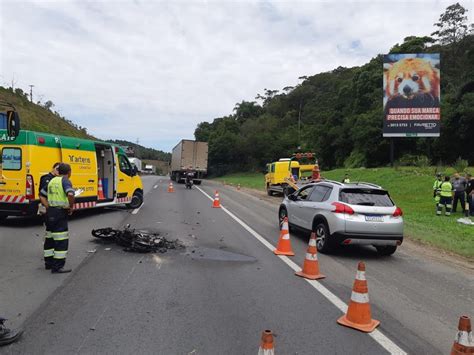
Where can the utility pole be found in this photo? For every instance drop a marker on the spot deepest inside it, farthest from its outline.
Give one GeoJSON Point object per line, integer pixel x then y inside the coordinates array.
{"type": "Point", "coordinates": [31, 92]}
{"type": "Point", "coordinates": [299, 125]}
{"type": "Point", "coordinates": [13, 82]}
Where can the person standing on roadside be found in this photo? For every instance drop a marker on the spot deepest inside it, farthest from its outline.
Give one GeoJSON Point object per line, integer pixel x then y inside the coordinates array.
{"type": "Point", "coordinates": [470, 193]}
{"type": "Point", "coordinates": [446, 197]}
{"type": "Point", "coordinates": [436, 188]}
{"type": "Point", "coordinates": [459, 186]}
{"type": "Point", "coordinates": [60, 204]}
{"type": "Point", "coordinates": [346, 179]}
{"type": "Point", "coordinates": [48, 246]}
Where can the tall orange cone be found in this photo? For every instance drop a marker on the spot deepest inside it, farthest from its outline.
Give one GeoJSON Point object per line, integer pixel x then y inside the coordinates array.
{"type": "Point", "coordinates": [358, 314]}
{"type": "Point", "coordinates": [266, 346]}
{"type": "Point", "coordinates": [311, 264]}
{"type": "Point", "coordinates": [463, 342]}
{"type": "Point", "coordinates": [100, 191]}
{"type": "Point", "coordinates": [217, 202]}
{"type": "Point", "coordinates": [284, 243]}
{"type": "Point", "coordinates": [170, 187]}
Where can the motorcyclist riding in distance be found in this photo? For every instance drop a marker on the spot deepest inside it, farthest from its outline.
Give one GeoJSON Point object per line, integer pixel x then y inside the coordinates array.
{"type": "Point", "coordinates": [189, 177]}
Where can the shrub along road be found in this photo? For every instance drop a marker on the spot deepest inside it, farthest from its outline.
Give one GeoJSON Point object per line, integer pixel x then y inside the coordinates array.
{"type": "Point", "coordinates": [226, 287]}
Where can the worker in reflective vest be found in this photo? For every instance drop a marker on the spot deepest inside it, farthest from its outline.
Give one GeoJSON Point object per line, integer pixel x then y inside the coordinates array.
{"type": "Point", "coordinates": [60, 203]}
{"type": "Point", "coordinates": [48, 245]}
{"type": "Point", "coordinates": [446, 197]}
{"type": "Point", "coordinates": [436, 188]}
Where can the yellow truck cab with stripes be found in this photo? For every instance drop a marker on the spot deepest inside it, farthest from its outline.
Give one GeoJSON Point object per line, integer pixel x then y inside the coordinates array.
{"type": "Point", "coordinates": [101, 172]}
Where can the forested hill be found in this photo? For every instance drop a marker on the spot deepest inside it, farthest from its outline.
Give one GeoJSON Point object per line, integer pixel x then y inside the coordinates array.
{"type": "Point", "coordinates": [341, 113]}
{"type": "Point", "coordinates": [143, 152]}
{"type": "Point", "coordinates": [40, 116]}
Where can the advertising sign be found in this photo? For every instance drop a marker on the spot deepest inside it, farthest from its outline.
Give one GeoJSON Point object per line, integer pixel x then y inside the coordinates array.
{"type": "Point", "coordinates": [411, 99]}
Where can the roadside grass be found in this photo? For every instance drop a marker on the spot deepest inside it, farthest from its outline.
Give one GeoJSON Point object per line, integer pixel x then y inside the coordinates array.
{"type": "Point", "coordinates": [411, 189]}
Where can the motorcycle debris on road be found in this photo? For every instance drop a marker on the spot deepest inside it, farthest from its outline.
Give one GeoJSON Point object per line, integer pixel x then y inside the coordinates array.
{"type": "Point", "coordinates": [139, 241]}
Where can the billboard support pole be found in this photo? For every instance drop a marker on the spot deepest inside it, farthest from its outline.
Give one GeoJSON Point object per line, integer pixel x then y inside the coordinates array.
{"type": "Point", "coordinates": [392, 151]}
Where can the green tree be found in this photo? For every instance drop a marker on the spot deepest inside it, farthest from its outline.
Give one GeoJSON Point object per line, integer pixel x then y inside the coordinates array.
{"type": "Point", "coordinates": [452, 25]}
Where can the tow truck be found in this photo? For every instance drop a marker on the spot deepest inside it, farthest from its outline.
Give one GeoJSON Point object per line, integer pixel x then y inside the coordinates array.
{"type": "Point", "coordinates": [289, 174]}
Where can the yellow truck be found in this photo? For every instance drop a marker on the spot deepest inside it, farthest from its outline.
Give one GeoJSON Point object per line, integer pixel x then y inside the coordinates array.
{"type": "Point", "coordinates": [101, 172]}
{"type": "Point", "coordinates": [287, 174]}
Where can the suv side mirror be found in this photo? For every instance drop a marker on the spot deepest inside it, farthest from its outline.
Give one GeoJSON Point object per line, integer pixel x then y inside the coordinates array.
{"type": "Point", "coordinates": [13, 124]}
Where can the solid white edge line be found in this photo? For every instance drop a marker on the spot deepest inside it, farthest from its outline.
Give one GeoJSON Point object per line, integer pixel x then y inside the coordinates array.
{"type": "Point", "coordinates": [377, 335]}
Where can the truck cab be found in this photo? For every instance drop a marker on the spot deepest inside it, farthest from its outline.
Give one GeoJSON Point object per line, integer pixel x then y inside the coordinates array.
{"type": "Point", "coordinates": [277, 172]}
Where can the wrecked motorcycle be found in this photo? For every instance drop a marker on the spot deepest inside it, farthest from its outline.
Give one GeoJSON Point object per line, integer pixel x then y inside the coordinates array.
{"type": "Point", "coordinates": [141, 241]}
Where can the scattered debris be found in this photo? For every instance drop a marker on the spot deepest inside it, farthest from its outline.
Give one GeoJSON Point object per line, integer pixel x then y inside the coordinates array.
{"type": "Point", "coordinates": [92, 251]}
{"type": "Point", "coordinates": [465, 220]}
{"type": "Point", "coordinates": [108, 249]}
{"type": "Point", "coordinates": [140, 241]}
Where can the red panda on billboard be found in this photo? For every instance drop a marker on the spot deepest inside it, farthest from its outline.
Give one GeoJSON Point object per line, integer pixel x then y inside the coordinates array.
{"type": "Point", "coordinates": [411, 98]}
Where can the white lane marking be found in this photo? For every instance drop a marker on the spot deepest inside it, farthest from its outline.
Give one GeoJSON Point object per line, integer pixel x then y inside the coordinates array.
{"type": "Point", "coordinates": [135, 211]}
{"type": "Point", "coordinates": [377, 335]}
{"type": "Point", "coordinates": [155, 186]}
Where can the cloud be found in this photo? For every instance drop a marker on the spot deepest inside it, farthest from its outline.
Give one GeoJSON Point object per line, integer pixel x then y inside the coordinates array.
{"type": "Point", "coordinates": [152, 70]}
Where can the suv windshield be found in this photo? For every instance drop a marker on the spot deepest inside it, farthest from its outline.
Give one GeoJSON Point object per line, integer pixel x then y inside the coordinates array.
{"type": "Point", "coordinates": [366, 197]}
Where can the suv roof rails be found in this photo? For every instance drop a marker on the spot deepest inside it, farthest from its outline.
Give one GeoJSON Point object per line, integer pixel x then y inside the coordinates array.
{"type": "Point", "coordinates": [368, 184]}
{"type": "Point", "coordinates": [332, 181]}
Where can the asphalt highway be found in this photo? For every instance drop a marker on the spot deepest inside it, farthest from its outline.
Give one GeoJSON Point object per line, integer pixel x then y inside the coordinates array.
{"type": "Point", "coordinates": [222, 290]}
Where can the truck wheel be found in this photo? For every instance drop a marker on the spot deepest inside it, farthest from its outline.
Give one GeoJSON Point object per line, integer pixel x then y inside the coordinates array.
{"type": "Point", "coordinates": [269, 192]}
{"type": "Point", "coordinates": [137, 200]}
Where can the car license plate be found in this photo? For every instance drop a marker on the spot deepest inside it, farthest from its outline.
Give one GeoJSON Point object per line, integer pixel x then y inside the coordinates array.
{"type": "Point", "coordinates": [374, 218]}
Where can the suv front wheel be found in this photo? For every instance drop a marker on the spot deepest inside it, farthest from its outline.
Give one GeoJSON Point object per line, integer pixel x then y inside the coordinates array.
{"type": "Point", "coordinates": [322, 237]}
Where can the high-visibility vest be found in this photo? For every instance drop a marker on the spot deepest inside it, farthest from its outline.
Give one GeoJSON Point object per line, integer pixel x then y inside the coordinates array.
{"type": "Point", "coordinates": [346, 181]}
{"type": "Point", "coordinates": [446, 189]}
{"type": "Point", "coordinates": [56, 195]}
{"type": "Point", "coordinates": [437, 184]}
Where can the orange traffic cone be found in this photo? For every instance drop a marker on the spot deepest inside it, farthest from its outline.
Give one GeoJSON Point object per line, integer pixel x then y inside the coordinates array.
{"type": "Point", "coordinates": [217, 202]}
{"type": "Point", "coordinates": [358, 314]}
{"type": "Point", "coordinates": [311, 263]}
{"type": "Point", "coordinates": [266, 346]}
{"type": "Point", "coordinates": [100, 191]}
{"type": "Point", "coordinates": [284, 243]}
{"type": "Point", "coordinates": [170, 187]}
{"type": "Point", "coordinates": [463, 342]}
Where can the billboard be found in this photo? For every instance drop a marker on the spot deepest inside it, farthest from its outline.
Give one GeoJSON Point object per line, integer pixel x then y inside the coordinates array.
{"type": "Point", "coordinates": [411, 98]}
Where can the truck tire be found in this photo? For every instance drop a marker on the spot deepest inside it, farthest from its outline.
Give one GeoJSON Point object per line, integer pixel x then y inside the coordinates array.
{"type": "Point", "coordinates": [137, 200]}
{"type": "Point", "coordinates": [269, 192]}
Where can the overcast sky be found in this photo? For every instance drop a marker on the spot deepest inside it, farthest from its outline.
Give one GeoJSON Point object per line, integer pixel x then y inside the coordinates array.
{"type": "Point", "coordinates": [152, 70]}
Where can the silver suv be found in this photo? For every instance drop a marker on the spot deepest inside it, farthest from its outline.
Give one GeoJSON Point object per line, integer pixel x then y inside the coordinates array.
{"type": "Point", "coordinates": [344, 214]}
